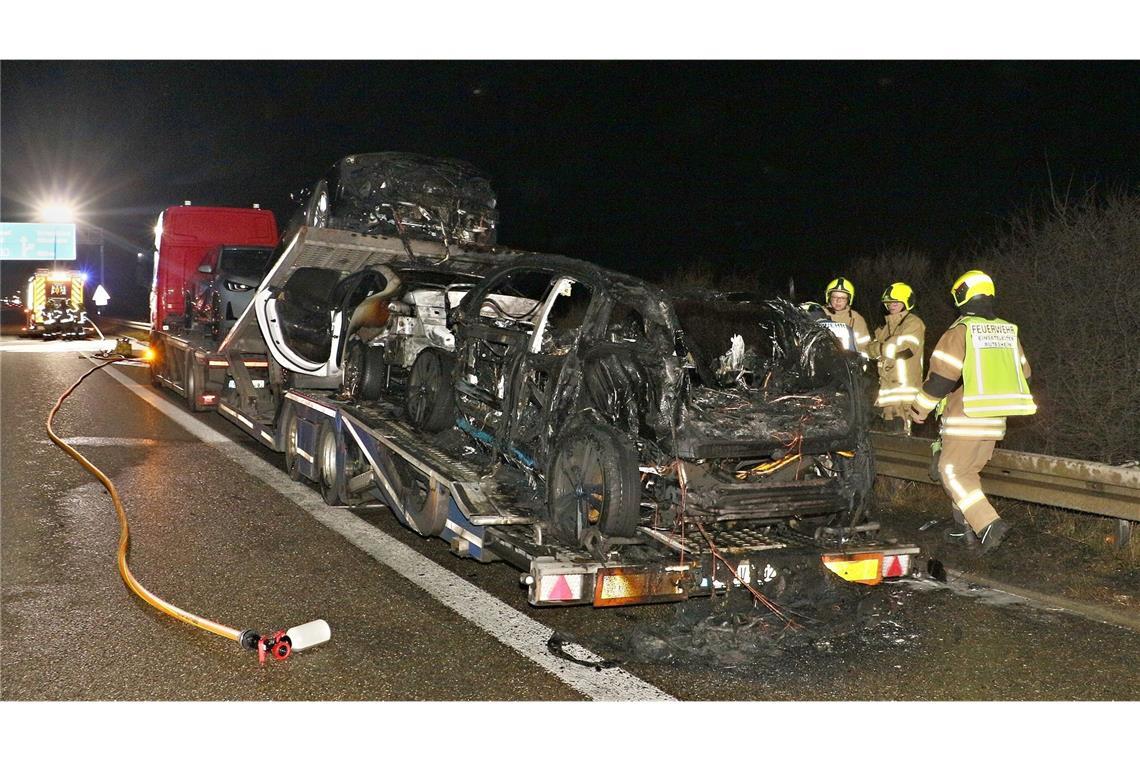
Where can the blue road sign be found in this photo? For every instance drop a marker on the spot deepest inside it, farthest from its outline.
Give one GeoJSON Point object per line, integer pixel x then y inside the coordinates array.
{"type": "Point", "coordinates": [30, 242]}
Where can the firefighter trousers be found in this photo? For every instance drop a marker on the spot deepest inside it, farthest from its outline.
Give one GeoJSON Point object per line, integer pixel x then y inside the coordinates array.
{"type": "Point", "coordinates": [960, 465]}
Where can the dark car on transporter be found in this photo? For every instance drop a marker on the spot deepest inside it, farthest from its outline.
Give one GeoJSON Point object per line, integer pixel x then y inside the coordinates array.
{"type": "Point", "coordinates": [404, 195]}
{"type": "Point", "coordinates": [636, 409]}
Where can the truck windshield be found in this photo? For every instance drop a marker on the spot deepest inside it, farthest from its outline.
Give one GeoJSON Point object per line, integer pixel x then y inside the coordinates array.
{"type": "Point", "coordinates": [244, 262]}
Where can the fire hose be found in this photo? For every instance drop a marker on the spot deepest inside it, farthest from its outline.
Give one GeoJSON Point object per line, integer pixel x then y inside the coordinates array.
{"type": "Point", "coordinates": [279, 644]}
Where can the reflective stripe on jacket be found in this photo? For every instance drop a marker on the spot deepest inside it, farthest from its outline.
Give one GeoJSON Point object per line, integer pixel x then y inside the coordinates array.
{"type": "Point", "coordinates": [944, 388]}
{"type": "Point", "coordinates": [855, 321]}
{"type": "Point", "coordinates": [898, 345]}
{"type": "Point", "coordinates": [992, 375]}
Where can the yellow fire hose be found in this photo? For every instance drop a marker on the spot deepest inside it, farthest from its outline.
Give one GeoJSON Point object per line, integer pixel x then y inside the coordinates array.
{"type": "Point", "coordinates": [279, 644]}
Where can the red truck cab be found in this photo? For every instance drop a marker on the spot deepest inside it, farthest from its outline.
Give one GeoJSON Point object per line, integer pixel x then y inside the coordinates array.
{"type": "Point", "coordinates": [184, 237]}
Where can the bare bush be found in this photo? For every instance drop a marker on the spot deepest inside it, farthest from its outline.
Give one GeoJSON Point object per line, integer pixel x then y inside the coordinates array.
{"type": "Point", "coordinates": [1066, 275]}
{"type": "Point", "coordinates": [873, 274]}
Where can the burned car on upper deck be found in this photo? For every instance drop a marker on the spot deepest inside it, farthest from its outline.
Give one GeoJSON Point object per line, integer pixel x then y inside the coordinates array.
{"type": "Point", "coordinates": [404, 195]}
{"type": "Point", "coordinates": [639, 410]}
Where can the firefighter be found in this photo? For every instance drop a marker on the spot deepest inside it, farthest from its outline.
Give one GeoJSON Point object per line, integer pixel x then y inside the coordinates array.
{"type": "Point", "coordinates": [977, 378]}
{"type": "Point", "coordinates": [839, 296]}
{"type": "Point", "coordinates": [898, 348]}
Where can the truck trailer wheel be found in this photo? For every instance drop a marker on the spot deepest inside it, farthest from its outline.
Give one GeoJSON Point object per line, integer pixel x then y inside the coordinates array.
{"type": "Point", "coordinates": [194, 385]}
{"type": "Point", "coordinates": [430, 400]}
{"type": "Point", "coordinates": [423, 503]}
{"type": "Point", "coordinates": [593, 483]}
{"type": "Point", "coordinates": [155, 367]}
{"type": "Point", "coordinates": [328, 476]}
{"type": "Point", "coordinates": [292, 428]}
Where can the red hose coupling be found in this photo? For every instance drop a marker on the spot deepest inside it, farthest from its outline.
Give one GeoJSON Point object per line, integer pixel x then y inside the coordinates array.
{"type": "Point", "coordinates": [277, 644]}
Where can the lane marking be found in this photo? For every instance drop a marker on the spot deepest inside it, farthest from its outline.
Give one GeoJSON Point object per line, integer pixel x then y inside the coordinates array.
{"type": "Point", "coordinates": [506, 624]}
{"type": "Point", "coordinates": [92, 440]}
{"type": "Point", "coordinates": [37, 345]}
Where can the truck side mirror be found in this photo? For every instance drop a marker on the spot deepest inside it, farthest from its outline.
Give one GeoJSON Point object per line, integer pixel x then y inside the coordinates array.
{"type": "Point", "coordinates": [206, 269]}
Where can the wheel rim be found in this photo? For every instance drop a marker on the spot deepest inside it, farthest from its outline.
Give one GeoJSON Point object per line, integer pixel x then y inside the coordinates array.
{"type": "Point", "coordinates": [191, 385]}
{"type": "Point", "coordinates": [319, 213]}
{"type": "Point", "coordinates": [291, 440]}
{"type": "Point", "coordinates": [424, 385]}
{"type": "Point", "coordinates": [328, 459]}
{"type": "Point", "coordinates": [580, 482]}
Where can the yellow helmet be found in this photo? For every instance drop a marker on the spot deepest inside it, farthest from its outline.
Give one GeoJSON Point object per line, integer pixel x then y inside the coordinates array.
{"type": "Point", "coordinates": [900, 291]}
{"type": "Point", "coordinates": [841, 284]}
{"type": "Point", "coordinates": [972, 283]}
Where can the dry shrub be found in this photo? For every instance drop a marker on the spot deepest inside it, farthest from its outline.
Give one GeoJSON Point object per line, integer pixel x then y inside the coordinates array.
{"type": "Point", "coordinates": [700, 273]}
{"type": "Point", "coordinates": [1067, 276]}
{"type": "Point", "coordinates": [918, 269]}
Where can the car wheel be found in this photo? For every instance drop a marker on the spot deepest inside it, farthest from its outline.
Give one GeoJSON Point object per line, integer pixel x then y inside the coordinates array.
{"type": "Point", "coordinates": [430, 400]}
{"type": "Point", "coordinates": [292, 432]}
{"type": "Point", "coordinates": [317, 212]}
{"type": "Point", "coordinates": [593, 483]}
{"type": "Point", "coordinates": [327, 473]}
{"type": "Point", "coordinates": [362, 377]}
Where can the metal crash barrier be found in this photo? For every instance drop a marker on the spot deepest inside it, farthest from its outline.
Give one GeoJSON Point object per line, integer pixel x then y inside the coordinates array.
{"type": "Point", "coordinates": [1089, 487]}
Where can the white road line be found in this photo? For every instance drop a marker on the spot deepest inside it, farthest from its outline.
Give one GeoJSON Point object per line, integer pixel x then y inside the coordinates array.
{"type": "Point", "coordinates": [35, 345]}
{"type": "Point", "coordinates": [509, 626]}
{"type": "Point", "coordinates": [90, 440]}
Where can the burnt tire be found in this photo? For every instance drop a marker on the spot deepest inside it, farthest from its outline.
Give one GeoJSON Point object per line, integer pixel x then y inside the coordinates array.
{"type": "Point", "coordinates": [325, 458]}
{"type": "Point", "coordinates": [292, 460]}
{"type": "Point", "coordinates": [430, 396]}
{"type": "Point", "coordinates": [593, 483]}
{"type": "Point", "coordinates": [363, 374]}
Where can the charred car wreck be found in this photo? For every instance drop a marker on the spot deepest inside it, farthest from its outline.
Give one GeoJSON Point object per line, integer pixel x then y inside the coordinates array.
{"type": "Point", "coordinates": [641, 412]}
{"type": "Point", "coordinates": [403, 195]}
{"type": "Point", "coordinates": [617, 444]}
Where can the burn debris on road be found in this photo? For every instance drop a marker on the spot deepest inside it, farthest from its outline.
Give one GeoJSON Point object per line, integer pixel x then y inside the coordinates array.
{"type": "Point", "coordinates": [828, 616]}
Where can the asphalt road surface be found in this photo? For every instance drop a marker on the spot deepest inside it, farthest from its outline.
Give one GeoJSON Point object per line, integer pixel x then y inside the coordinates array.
{"type": "Point", "coordinates": [218, 529]}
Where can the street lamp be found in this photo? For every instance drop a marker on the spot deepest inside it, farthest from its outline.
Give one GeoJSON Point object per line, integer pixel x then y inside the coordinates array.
{"type": "Point", "coordinates": [56, 212]}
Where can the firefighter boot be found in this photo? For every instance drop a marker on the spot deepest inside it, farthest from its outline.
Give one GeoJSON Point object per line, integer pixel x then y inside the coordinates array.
{"type": "Point", "coordinates": [960, 532]}
{"type": "Point", "coordinates": [993, 535]}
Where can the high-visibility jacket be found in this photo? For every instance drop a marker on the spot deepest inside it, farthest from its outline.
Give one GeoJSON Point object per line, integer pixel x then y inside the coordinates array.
{"type": "Point", "coordinates": [995, 385]}
{"type": "Point", "coordinates": [961, 367]}
{"type": "Point", "coordinates": [898, 346]}
{"type": "Point", "coordinates": [855, 321]}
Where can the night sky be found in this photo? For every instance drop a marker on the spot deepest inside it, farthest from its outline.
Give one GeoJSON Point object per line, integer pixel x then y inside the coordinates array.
{"type": "Point", "coordinates": [762, 167]}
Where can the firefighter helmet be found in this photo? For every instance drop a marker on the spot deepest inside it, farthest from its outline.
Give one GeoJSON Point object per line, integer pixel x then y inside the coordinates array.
{"type": "Point", "coordinates": [843, 285]}
{"type": "Point", "coordinates": [901, 292]}
{"type": "Point", "coordinates": [972, 283]}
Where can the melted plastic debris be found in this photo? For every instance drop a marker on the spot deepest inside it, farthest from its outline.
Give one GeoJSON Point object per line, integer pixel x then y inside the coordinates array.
{"type": "Point", "coordinates": [733, 632]}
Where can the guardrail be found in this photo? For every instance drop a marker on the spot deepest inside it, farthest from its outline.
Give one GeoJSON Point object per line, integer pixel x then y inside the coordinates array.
{"type": "Point", "coordinates": [144, 326]}
{"type": "Point", "coordinates": [1089, 487]}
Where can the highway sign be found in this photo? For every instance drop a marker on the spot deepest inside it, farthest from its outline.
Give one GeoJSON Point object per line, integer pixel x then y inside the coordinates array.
{"type": "Point", "coordinates": [37, 241]}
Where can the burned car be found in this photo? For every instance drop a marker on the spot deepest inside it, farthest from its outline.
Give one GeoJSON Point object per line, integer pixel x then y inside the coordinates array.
{"type": "Point", "coordinates": [403, 195]}
{"type": "Point", "coordinates": [365, 329]}
{"type": "Point", "coordinates": [637, 410]}
{"type": "Point", "coordinates": [403, 312]}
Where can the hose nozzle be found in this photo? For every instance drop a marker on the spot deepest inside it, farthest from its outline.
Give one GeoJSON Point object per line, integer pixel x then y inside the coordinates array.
{"type": "Point", "coordinates": [283, 643]}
